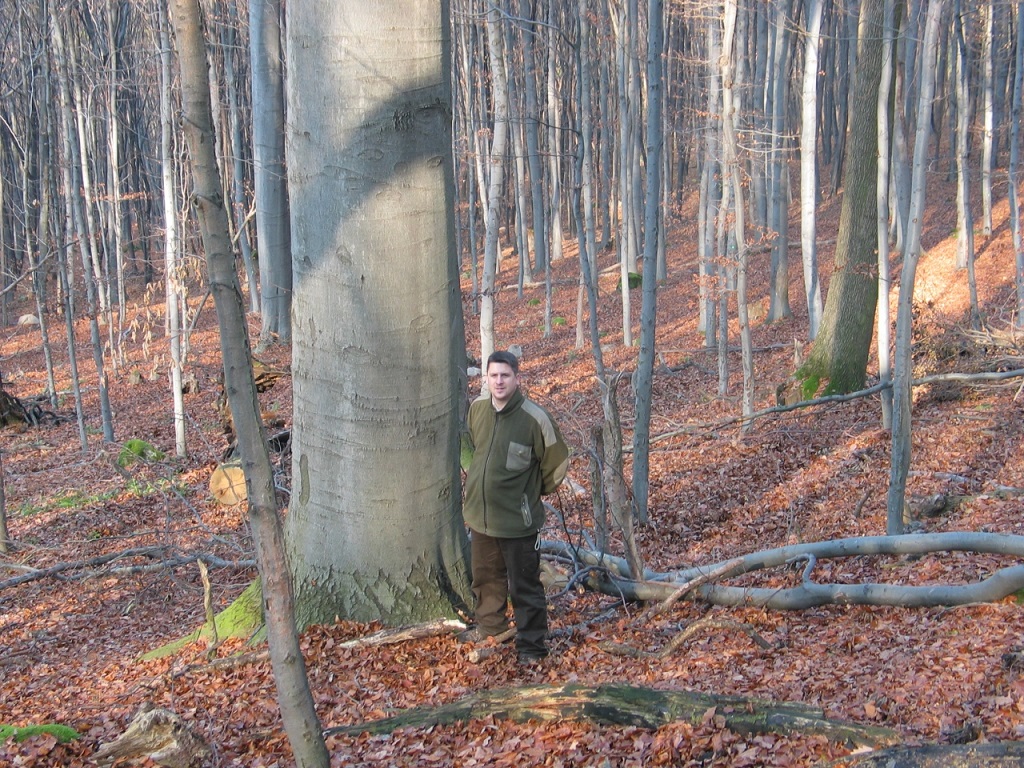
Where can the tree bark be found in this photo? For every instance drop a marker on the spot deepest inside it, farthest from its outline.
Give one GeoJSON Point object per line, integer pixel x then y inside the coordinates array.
{"type": "Point", "coordinates": [273, 234]}
{"type": "Point", "coordinates": [627, 705]}
{"type": "Point", "coordinates": [374, 526]}
{"type": "Point", "coordinates": [294, 698]}
{"type": "Point", "coordinates": [1000, 755]}
{"type": "Point", "coordinates": [840, 352]}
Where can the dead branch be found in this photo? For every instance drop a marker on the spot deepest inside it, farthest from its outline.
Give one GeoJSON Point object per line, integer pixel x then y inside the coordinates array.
{"type": "Point", "coordinates": [493, 645]}
{"type": "Point", "coordinates": [632, 706]}
{"type": "Point", "coordinates": [997, 755]}
{"type": "Point", "coordinates": [686, 587]}
{"type": "Point", "coordinates": [164, 562]}
{"type": "Point", "coordinates": [235, 660]}
{"type": "Point", "coordinates": [655, 586]}
{"type": "Point", "coordinates": [401, 634]}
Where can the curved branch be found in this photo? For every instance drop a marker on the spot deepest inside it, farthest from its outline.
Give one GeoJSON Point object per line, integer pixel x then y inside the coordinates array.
{"type": "Point", "coordinates": [656, 586]}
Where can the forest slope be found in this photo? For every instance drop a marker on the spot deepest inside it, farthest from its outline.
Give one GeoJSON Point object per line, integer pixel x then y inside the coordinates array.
{"type": "Point", "coordinates": [70, 644]}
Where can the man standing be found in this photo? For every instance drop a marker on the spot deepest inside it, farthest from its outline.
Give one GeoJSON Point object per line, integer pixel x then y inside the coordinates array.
{"type": "Point", "coordinates": [518, 455]}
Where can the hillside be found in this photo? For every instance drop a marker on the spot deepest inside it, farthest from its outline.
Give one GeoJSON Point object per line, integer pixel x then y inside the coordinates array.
{"type": "Point", "coordinates": [70, 642]}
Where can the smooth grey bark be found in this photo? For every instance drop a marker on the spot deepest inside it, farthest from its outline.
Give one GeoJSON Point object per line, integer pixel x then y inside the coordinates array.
{"type": "Point", "coordinates": [654, 223]}
{"type": "Point", "coordinates": [73, 182]}
{"type": "Point", "coordinates": [584, 197]}
{"type": "Point", "coordinates": [882, 333]}
{"type": "Point", "coordinates": [902, 363]}
{"type": "Point", "coordinates": [661, 586]}
{"type": "Point", "coordinates": [531, 126]}
{"type": "Point", "coordinates": [294, 698]}
{"type": "Point", "coordinates": [809, 168]}
{"type": "Point", "coordinates": [495, 176]}
{"type": "Point", "coordinates": [374, 525]}
{"type": "Point", "coordinates": [273, 236]}
{"type": "Point", "coordinates": [237, 155]}
{"type": "Point", "coordinates": [173, 279]}
{"type": "Point", "coordinates": [623, 18]}
{"type": "Point", "coordinates": [841, 349]}
{"type": "Point", "coordinates": [1014, 171]}
{"type": "Point", "coordinates": [964, 216]}
{"type": "Point", "coordinates": [988, 119]}
{"type": "Point", "coordinates": [553, 110]}
{"type": "Point", "coordinates": [778, 175]}
{"type": "Point", "coordinates": [731, 170]}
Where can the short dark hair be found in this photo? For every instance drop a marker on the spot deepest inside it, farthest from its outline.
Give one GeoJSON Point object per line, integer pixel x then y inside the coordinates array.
{"type": "Point", "coordinates": [501, 356]}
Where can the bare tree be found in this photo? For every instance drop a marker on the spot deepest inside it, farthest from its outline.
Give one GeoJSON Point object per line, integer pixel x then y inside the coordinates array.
{"type": "Point", "coordinates": [293, 694]}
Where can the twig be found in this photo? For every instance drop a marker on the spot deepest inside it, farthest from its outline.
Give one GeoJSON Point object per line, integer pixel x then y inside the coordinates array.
{"type": "Point", "coordinates": [492, 647]}
{"type": "Point", "coordinates": [706, 622]}
{"type": "Point", "coordinates": [684, 589]}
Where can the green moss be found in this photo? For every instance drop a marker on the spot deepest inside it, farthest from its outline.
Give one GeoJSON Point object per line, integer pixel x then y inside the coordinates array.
{"type": "Point", "coordinates": [465, 452]}
{"type": "Point", "coordinates": [243, 618]}
{"type": "Point", "coordinates": [133, 450]}
{"type": "Point", "coordinates": [634, 280]}
{"type": "Point", "coordinates": [62, 733]}
{"type": "Point", "coordinates": [809, 386]}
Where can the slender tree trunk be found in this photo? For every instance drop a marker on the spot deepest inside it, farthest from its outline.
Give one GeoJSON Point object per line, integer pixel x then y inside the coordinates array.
{"type": "Point", "coordinates": [586, 227]}
{"type": "Point", "coordinates": [531, 125]}
{"type": "Point", "coordinates": [882, 210]}
{"type": "Point", "coordinates": [495, 178]}
{"type": "Point", "coordinates": [171, 239]}
{"type": "Point", "coordinates": [1014, 170]}
{"type": "Point", "coordinates": [964, 217]}
{"type": "Point", "coordinates": [988, 121]}
{"type": "Point", "coordinates": [653, 225]}
{"type": "Point", "coordinates": [840, 352]}
{"type": "Point", "coordinates": [731, 168]}
{"type": "Point", "coordinates": [273, 235]}
{"type": "Point", "coordinates": [72, 184]}
{"type": "Point", "coordinates": [809, 168]}
{"type": "Point", "coordinates": [293, 694]}
{"type": "Point", "coordinates": [903, 369]}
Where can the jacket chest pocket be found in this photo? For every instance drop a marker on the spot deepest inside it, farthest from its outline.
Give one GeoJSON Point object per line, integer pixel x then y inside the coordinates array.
{"type": "Point", "coordinates": [519, 457]}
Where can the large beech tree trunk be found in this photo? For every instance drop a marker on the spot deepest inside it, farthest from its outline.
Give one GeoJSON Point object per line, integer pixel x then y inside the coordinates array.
{"type": "Point", "coordinates": [374, 527]}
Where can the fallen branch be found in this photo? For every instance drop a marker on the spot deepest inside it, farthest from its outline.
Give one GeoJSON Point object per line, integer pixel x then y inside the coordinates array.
{"type": "Point", "coordinates": [479, 653]}
{"type": "Point", "coordinates": [401, 634]}
{"type": "Point", "coordinates": [33, 574]}
{"type": "Point", "coordinates": [618, 581]}
{"type": "Point", "coordinates": [630, 706]}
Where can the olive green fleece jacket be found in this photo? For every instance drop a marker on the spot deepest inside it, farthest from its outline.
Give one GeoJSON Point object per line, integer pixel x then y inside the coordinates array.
{"type": "Point", "coordinates": [518, 455]}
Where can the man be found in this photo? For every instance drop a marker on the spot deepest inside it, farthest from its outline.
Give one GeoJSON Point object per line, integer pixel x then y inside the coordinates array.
{"type": "Point", "coordinates": [518, 455]}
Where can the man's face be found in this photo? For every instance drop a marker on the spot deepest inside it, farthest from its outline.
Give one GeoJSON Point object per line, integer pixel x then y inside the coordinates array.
{"type": "Point", "coordinates": [502, 383]}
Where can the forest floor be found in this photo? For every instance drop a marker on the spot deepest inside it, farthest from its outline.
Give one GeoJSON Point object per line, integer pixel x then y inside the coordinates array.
{"type": "Point", "coordinates": [70, 643]}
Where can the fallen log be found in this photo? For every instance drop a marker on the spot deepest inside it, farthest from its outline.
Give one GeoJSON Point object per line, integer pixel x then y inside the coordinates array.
{"type": "Point", "coordinates": [998, 755]}
{"type": "Point", "coordinates": [628, 705]}
{"type": "Point", "coordinates": [619, 582]}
